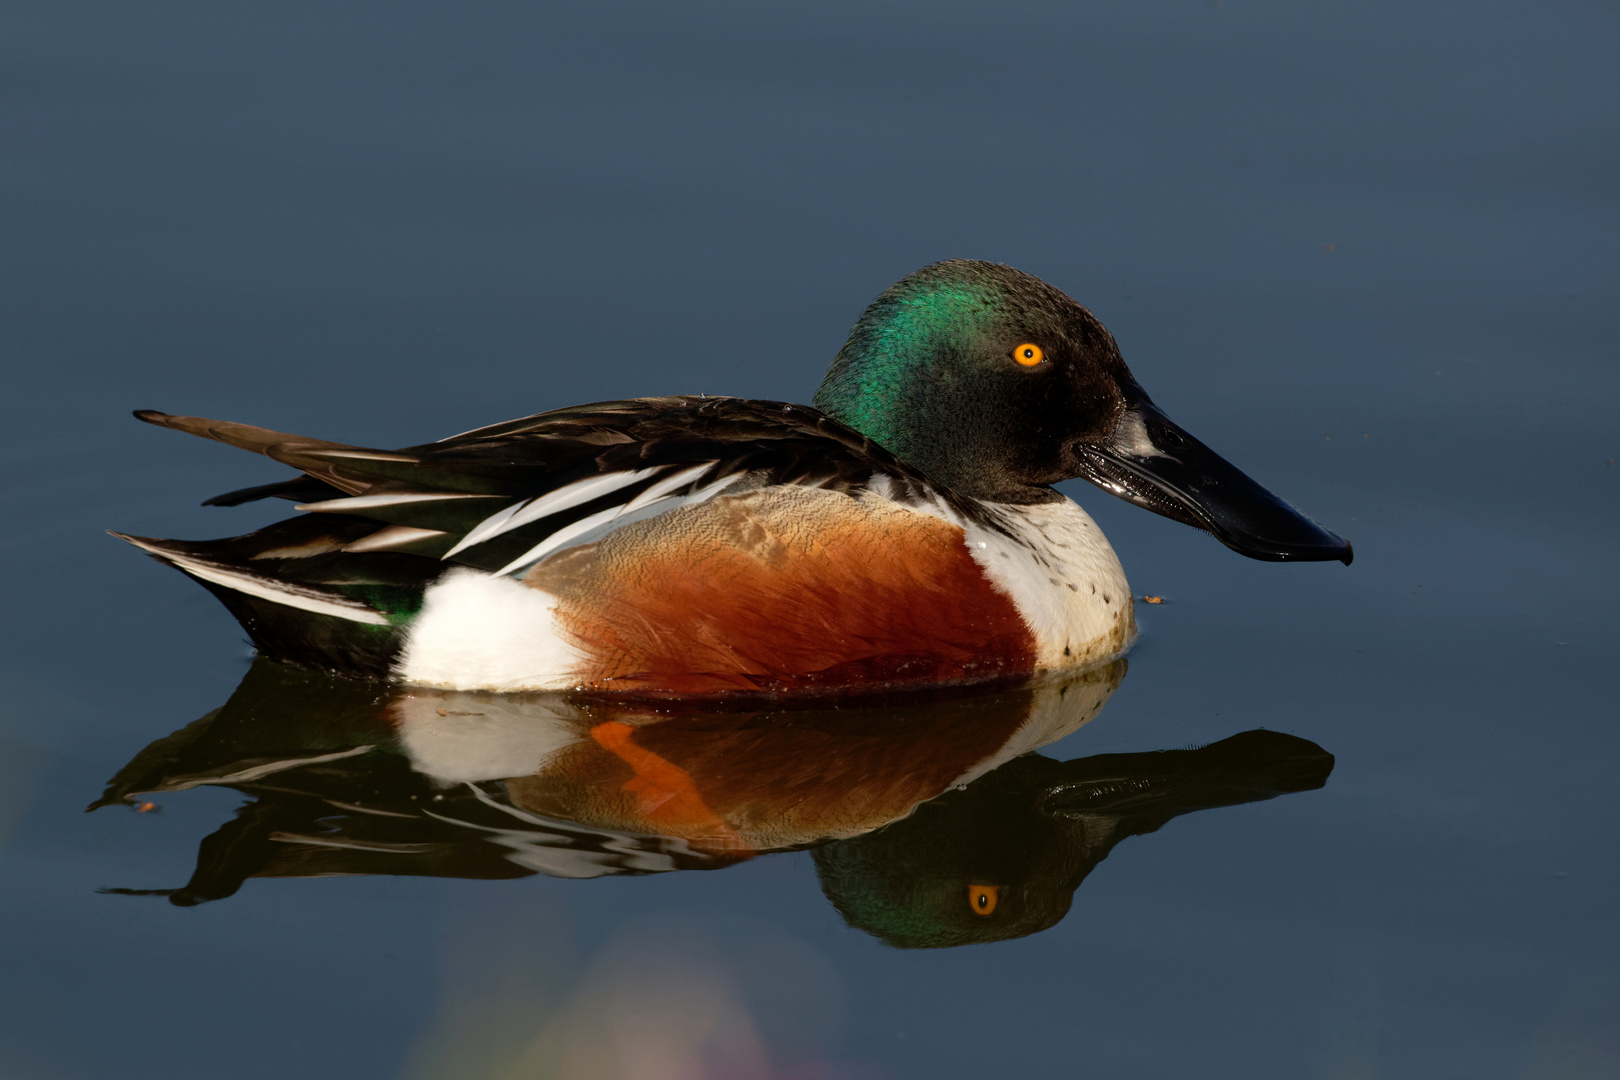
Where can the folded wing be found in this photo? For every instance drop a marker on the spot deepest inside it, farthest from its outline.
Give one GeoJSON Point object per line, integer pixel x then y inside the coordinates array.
{"type": "Point", "coordinates": [502, 498]}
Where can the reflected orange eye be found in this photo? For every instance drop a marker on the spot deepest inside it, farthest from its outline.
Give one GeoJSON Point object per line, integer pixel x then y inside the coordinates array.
{"type": "Point", "coordinates": [982, 898]}
{"type": "Point", "coordinates": [1029, 354]}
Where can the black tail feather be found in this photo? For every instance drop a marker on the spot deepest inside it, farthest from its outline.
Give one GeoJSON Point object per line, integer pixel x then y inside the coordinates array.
{"type": "Point", "coordinates": [298, 489]}
{"type": "Point", "coordinates": [291, 584]}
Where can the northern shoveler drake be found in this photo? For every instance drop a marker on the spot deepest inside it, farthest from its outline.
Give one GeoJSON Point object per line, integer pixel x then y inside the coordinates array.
{"type": "Point", "coordinates": [903, 531]}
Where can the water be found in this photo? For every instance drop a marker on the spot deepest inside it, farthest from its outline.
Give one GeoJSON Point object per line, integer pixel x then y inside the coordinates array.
{"type": "Point", "coordinates": [1366, 253]}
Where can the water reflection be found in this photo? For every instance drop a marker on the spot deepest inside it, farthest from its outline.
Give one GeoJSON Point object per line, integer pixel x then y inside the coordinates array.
{"type": "Point", "coordinates": [1002, 857]}
{"type": "Point", "coordinates": [932, 821]}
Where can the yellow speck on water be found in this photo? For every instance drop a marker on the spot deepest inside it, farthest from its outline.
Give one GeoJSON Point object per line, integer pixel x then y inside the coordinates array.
{"type": "Point", "coordinates": [1327, 438]}
{"type": "Point", "coordinates": [1154, 599]}
{"type": "Point", "coordinates": [1364, 435]}
{"type": "Point", "coordinates": [1330, 247]}
{"type": "Point", "coordinates": [145, 807]}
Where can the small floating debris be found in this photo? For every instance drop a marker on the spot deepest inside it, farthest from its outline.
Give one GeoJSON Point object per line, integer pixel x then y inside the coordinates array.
{"type": "Point", "coordinates": [1153, 599]}
{"type": "Point", "coordinates": [145, 807]}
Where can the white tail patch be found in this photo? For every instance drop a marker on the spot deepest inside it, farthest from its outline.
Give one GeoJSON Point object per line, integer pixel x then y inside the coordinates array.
{"type": "Point", "coordinates": [478, 632]}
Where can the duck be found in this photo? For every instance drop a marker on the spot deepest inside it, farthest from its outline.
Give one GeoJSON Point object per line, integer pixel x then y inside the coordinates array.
{"type": "Point", "coordinates": [902, 531]}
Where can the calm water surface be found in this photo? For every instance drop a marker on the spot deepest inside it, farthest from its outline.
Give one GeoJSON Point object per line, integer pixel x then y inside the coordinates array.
{"type": "Point", "coordinates": [1368, 253]}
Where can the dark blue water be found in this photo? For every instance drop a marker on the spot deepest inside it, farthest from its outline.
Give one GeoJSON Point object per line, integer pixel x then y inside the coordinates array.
{"type": "Point", "coordinates": [1368, 253]}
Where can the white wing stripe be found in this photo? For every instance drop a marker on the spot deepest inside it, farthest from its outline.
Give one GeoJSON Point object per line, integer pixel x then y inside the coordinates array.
{"type": "Point", "coordinates": [385, 539]}
{"type": "Point", "coordinates": [666, 485]}
{"type": "Point", "coordinates": [561, 537]}
{"type": "Point", "coordinates": [373, 502]}
{"type": "Point", "coordinates": [580, 491]}
{"type": "Point", "coordinates": [584, 525]}
{"type": "Point", "coordinates": [488, 527]}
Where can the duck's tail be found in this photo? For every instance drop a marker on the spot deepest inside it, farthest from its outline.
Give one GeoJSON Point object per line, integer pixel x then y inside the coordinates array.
{"type": "Point", "coordinates": [299, 451]}
{"type": "Point", "coordinates": [302, 597]}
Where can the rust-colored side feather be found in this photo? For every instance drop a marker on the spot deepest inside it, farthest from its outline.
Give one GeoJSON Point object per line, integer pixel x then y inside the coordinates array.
{"type": "Point", "coordinates": [787, 588]}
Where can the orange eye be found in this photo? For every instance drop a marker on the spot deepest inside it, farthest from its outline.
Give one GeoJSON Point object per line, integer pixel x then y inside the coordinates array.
{"type": "Point", "coordinates": [1029, 354]}
{"type": "Point", "coordinates": [982, 898]}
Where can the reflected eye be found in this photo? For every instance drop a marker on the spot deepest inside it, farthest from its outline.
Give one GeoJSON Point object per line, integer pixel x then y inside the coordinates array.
{"type": "Point", "coordinates": [982, 898]}
{"type": "Point", "coordinates": [1028, 354]}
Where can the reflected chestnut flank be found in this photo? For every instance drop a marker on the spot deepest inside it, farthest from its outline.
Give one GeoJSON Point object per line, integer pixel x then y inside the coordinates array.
{"type": "Point", "coordinates": [933, 822]}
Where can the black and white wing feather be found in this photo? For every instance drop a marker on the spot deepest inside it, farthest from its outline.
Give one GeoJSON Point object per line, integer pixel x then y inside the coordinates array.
{"type": "Point", "coordinates": [501, 498]}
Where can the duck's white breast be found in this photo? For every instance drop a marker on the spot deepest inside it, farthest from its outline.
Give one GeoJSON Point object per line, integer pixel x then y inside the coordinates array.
{"type": "Point", "coordinates": [1065, 579]}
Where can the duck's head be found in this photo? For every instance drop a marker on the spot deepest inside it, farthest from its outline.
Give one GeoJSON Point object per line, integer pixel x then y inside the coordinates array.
{"type": "Point", "coordinates": [997, 385]}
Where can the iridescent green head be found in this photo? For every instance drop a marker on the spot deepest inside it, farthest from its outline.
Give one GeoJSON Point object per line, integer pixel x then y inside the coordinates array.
{"type": "Point", "coordinates": [979, 375]}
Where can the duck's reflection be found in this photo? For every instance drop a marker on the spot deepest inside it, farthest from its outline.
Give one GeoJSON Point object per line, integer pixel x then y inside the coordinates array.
{"type": "Point", "coordinates": [1002, 857]}
{"type": "Point", "coordinates": [933, 822]}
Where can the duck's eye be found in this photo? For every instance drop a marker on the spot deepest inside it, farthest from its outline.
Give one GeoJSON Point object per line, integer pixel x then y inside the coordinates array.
{"type": "Point", "coordinates": [982, 898]}
{"type": "Point", "coordinates": [1029, 354]}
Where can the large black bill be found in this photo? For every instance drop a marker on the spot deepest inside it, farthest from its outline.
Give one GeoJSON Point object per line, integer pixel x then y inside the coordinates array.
{"type": "Point", "coordinates": [1153, 463]}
